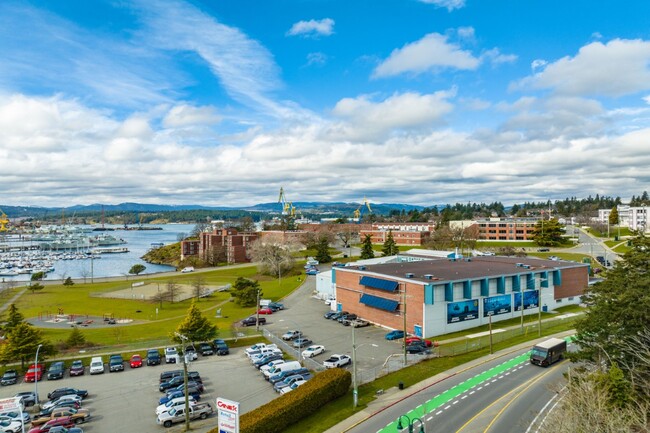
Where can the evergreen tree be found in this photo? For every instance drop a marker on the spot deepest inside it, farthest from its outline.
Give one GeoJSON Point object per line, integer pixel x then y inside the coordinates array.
{"type": "Point", "coordinates": [619, 310]}
{"type": "Point", "coordinates": [390, 247]}
{"type": "Point", "coordinates": [76, 338]}
{"type": "Point", "coordinates": [245, 292]}
{"type": "Point", "coordinates": [195, 326]}
{"type": "Point", "coordinates": [548, 233]}
{"type": "Point", "coordinates": [14, 317]}
{"type": "Point", "coordinates": [68, 282]}
{"type": "Point", "coordinates": [613, 216]}
{"type": "Point", "coordinates": [21, 344]}
{"type": "Point", "coordinates": [366, 248]}
{"type": "Point", "coordinates": [322, 251]}
{"type": "Point", "coordinates": [137, 269]}
{"type": "Point", "coordinates": [35, 287]}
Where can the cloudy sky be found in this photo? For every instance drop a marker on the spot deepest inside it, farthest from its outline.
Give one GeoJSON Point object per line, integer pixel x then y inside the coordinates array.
{"type": "Point", "coordinates": [224, 102]}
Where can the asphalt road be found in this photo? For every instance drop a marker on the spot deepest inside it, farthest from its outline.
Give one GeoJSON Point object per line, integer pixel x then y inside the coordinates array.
{"type": "Point", "coordinates": [502, 395]}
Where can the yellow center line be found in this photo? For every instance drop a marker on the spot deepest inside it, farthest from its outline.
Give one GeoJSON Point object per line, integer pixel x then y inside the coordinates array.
{"type": "Point", "coordinates": [527, 385]}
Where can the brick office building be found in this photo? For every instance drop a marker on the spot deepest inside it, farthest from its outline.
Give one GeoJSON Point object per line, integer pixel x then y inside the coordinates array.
{"type": "Point", "coordinates": [233, 245]}
{"type": "Point", "coordinates": [443, 296]}
{"type": "Point", "coordinates": [506, 229]}
{"type": "Point", "coordinates": [414, 234]}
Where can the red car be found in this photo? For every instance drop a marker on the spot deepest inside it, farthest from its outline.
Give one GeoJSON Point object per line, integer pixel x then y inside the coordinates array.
{"type": "Point", "coordinates": [265, 310]}
{"type": "Point", "coordinates": [136, 361]}
{"type": "Point", "coordinates": [35, 372]}
{"type": "Point", "coordinates": [410, 340]}
{"type": "Point", "coordinates": [64, 421]}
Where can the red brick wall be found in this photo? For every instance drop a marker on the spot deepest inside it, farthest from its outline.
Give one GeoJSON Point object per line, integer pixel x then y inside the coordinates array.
{"type": "Point", "coordinates": [574, 282]}
{"type": "Point", "coordinates": [349, 291]}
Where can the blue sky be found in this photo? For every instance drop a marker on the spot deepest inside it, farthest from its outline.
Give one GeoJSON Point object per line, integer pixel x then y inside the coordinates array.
{"type": "Point", "coordinates": [223, 102]}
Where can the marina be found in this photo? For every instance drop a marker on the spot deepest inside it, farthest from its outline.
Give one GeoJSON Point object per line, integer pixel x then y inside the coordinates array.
{"type": "Point", "coordinates": [81, 253]}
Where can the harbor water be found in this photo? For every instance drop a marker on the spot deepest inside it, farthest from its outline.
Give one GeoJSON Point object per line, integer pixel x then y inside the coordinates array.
{"type": "Point", "coordinates": [138, 242]}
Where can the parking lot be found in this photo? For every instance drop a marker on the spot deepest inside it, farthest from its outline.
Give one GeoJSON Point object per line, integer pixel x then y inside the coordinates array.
{"type": "Point", "coordinates": [125, 401]}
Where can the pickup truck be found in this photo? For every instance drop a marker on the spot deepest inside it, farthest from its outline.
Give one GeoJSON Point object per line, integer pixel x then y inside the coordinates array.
{"type": "Point", "coordinates": [78, 416]}
{"type": "Point", "coordinates": [250, 321]}
{"type": "Point", "coordinates": [337, 361]}
{"type": "Point", "coordinates": [257, 348]}
{"type": "Point", "coordinates": [173, 416]}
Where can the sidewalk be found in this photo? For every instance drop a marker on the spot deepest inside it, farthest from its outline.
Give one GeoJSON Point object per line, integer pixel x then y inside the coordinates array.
{"type": "Point", "coordinates": [393, 395]}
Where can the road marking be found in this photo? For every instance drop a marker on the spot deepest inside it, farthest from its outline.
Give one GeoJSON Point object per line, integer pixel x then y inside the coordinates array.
{"type": "Point", "coordinates": [429, 419]}
{"type": "Point", "coordinates": [472, 392]}
{"type": "Point", "coordinates": [532, 423]}
{"type": "Point", "coordinates": [479, 388]}
{"type": "Point", "coordinates": [439, 412]}
{"type": "Point", "coordinates": [455, 402]}
{"type": "Point", "coordinates": [464, 397]}
{"type": "Point", "coordinates": [447, 407]}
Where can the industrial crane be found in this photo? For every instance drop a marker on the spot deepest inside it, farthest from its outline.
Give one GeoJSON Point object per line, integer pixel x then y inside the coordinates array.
{"type": "Point", "coordinates": [287, 207]}
{"type": "Point", "coordinates": [4, 221]}
{"type": "Point", "coordinates": [357, 212]}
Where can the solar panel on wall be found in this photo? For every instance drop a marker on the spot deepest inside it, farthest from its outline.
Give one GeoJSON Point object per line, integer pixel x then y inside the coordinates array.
{"type": "Point", "coordinates": [378, 283]}
{"type": "Point", "coordinates": [377, 302]}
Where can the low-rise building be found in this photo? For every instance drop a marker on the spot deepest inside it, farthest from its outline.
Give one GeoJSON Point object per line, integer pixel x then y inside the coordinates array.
{"type": "Point", "coordinates": [506, 229]}
{"type": "Point", "coordinates": [632, 217]}
{"type": "Point", "coordinates": [225, 243]}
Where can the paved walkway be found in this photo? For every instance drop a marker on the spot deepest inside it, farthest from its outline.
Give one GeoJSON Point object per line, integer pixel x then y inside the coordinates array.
{"type": "Point", "coordinates": [393, 395]}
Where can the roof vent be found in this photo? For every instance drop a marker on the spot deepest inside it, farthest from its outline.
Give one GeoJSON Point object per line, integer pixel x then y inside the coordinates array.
{"type": "Point", "coordinates": [527, 266]}
{"type": "Point", "coordinates": [428, 277]}
{"type": "Point", "coordinates": [409, 275]}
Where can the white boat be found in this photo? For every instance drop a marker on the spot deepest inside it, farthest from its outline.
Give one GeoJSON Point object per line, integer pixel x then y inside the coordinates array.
{"type": "Point", "coordinates": [8, 273]}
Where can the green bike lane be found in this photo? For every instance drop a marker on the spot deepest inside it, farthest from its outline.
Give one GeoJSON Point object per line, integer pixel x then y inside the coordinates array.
{"type": "Point", "coordinates": [446, 396]}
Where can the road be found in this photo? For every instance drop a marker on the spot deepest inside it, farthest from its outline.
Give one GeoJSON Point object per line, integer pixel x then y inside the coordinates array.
{"type": "Point", "coordinates": [502, 395]}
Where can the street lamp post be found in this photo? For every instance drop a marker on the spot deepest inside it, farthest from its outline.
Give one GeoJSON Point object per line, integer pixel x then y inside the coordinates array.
{"type": "Point", "coordinates": [185, 387]}
{"type": "Point", "coordinates": [404, 324]}
{"type": "Point", "coordinates": [539, 310]}
{"type": "Point", "coordinates": [355, 386]}
{"type": "Point", "coordinates": [490, 313]}
{"type": "Point", "coordinates": [36, 378]}
{"type": "Point", "coordinates": [410, 424]}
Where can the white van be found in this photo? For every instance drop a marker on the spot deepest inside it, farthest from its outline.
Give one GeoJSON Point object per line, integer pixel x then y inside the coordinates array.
{"type": "Point", "coordinates": [96, 365]}
{"type": "Point", "coordinates": [287, 366]}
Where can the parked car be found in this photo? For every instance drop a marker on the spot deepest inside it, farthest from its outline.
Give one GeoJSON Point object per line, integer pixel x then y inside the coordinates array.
{"type": "Point", "coordinates": [190, 353]}
{"type": "Point", "coordinates": [10, 377]}
{"type": "Point", "coordinates": [193, 392]}
{"type": "Point", "coordinates": [301, 342]}
{"type": "Point", "coordinates": [135, 361]}
{"type": "Point", "coordinates": [417, 348]}
{"type": "Point", "coordinates": [330, 314]}
{"type": "Point", "coordinates": [359, 323]}
{"type": "Point", "coordinates": [115, 363]}
{"type": "Point", "coordinates": [67, 391]}
{"type": "Point", "coordinates": [291, 335]}
{"type": "Point", "coordinates": [187, 269]}
{"type": "Point", "coordinates": [275, 378]}
{"type": "Point", "coordinates": [276, 305]}
{"type": "Point", "coordinates": [171, 383]}
{"type": "Point", "coordinates": [56, 371]}
{"type": "Point", "coordinates": [171, 355]}
{"type": "Point", "coordinates": [28, 398]}
{"type": "Point", "coordinates": [173, 403]}
{"type": "Point", "coordinates": [265, 310]}
{"type": "Point", "coordinates": [206, 349]}
{"type": "Point", "coordinates": [78, 415]}
{"type": "Point", "coordinates": [312, 271]}
{"type": "Point", "coordinates": [221, 347]}
{"type": "Point", "coordinates": [290, 380]}
{"type": "Point", "coordinates": [64, 398]}
{"type": "Point", "coordinates": [543, 250]}
{"type": "Point", "coordinates": [313, 350]}
{"type": "Point", "coordinates": [77, 368]}
{"type": "Point", "coordinates": [153, 357]}
{"type": "Point", "coordinates": [335, 361]}
{"type": "Point", "coordinates": [250, 321]}
{"type": "Point", "coordinates": [293, 386]}
{"type": "Point", "coordinates": [61, 429]}
{"type": "Point", "coordinates": [15, 415]}
{"type": "Point", "coordinates": [190, 384]}
{"type": "Point", "coordinates": [64, 421]}
{"type": "Point", "coordinates": [395, 335]}
{"type": "Point", "coordinates": [266, 359]}
{"type": "Point", "coordinates": [410, 340]}
{"type": "Point", "coordinates": [11, 426]}
{"type": "Point", "coordinates": [338, 314]}
{"type": "Point", "coordinates": [34, 372]}
{"type": "Point", "coordinates": [348, 317]}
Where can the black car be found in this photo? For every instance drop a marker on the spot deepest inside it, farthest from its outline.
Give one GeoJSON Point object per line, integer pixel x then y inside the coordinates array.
{"type": "Point", "coordinates": [171, 383]}
{"type": "Point", "coordinates": [61, 429]}
{"type": "Point", "coordinates": [206, 349]}
{"type": "Point", "coordinates": [250, 321]}
{"type": "Point", "coordinates": [348, 317]}
{"type": "Point", "coordinates": [56, 371]}
{"type": "Point", "coordinates": [67, 391]}
{"type": "Point", "coordinates": [169, 374]}
{"type": "Point", "coordinates": [339, 314]}
{"type": "Point", "coordinates": [330, 314]}
{"type": "Point", "coordinates": [153, 357]}
{"type": "Point", "coordinates": [115, 363]}
{"type": "Point", "coordinates": [77, 368]}
{"type": "Point", "coordinates": [418, 348]}
{"type": "Point", "coordinates": [9, 378]}
{"type": "Point", "coordinates": [221, 347]}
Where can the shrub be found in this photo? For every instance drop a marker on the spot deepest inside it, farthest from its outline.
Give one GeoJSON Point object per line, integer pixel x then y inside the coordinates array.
{"type": "Point", "coordinates": [277, 415]}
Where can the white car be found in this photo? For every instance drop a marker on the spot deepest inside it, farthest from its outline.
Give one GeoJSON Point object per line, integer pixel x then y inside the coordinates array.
{"type": "Point", "coordinates": [179, 401]}
{"type": "Point", "coordinates": [312, 351]}
{"type": "Point", "coordinates": [11, 426]}
{"type": "Point", "coordinates": [293, 386]}
{"type": "Point", "coordinates": [271, 364]}
{"type": "Point", "coordinates": [188, 269]}
{"type": "Point", "coordinates": [70, 397]}
{"type": "Point", "coordinates": [171, 355]}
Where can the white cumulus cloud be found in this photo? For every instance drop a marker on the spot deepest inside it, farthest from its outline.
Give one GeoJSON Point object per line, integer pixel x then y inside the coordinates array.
{"type": "Point", "coordinates": [324, 27]}
{"type": "Point", "coordinates": [188, 115]}
{"type": "Point", "coordinates": [432, 52]}
{"type": "Point", "coordinates": [619, 67]}
{"type": "Point", "coordinates": [450, 5]}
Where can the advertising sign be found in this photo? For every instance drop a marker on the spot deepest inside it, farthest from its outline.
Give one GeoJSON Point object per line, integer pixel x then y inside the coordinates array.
{"type": "Point", "coordinates": [227, 416]}
{"type": "Point", "coordinates": [461, 311]}
{"type": "Point", "coordinates": [531, 300]}
{"type": "Point", "coordinates": [9, 404]}
{"type": "Point", "coordinates": [495, 305]}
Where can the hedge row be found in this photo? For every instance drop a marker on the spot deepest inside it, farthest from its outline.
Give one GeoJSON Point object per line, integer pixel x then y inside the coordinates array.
{"type": "Point", "coordinates": [290, 408]}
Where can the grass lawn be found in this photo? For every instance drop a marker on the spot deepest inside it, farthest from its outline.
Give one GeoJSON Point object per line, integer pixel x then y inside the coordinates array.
{"type": "Point", "coordinates": [613, 231]}
{"type": "Point", "coordinates": [618, 246]}
{"type": "Point", "coordinates": [147, 326]}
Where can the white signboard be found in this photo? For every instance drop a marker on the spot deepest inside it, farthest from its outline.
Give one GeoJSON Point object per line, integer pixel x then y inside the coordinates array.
{"type": "Point", "coordinates": [7, 404]}
{"type": "Point", "coordinates": [227, 416]}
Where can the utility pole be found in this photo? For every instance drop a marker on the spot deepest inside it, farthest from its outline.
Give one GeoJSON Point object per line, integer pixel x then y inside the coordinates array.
{"type": "Point", "coordinates": [521, 293]}
{"type": "Point", "coordinates": [257, 312]}
{"type": "Point", "coordinates": [404, 317]}
{"type": "Point", "coordinates": [355, 391]}
{"type": "Point", "coordinates": [185, 387]}
{"type": "Point", "coordinates": [490, 313]}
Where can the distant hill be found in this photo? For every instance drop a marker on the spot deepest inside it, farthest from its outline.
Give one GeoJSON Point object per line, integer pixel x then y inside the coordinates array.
{"type": "Point", "coordinates": [323, 208]}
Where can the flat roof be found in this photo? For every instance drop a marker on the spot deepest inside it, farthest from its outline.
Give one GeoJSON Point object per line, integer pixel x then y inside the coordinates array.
{"type": "Point", "coordinates": [463, 269]}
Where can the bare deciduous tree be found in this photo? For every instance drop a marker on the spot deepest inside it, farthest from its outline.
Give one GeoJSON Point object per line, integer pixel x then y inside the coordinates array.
{"type": "Point", "coordinates": [172, 290]}
{"type": "Point", "coordinates": [198, 286]}
{"type": "Point", "coordinates": [273, 257]}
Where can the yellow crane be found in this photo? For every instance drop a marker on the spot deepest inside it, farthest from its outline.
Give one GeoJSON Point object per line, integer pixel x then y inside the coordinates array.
{"type": "Point", "coordinates": [357, 212]}
{"type": "Point", "coordinates": [4, 221]}
{"type": "Point", "coordinates": [287, 206]}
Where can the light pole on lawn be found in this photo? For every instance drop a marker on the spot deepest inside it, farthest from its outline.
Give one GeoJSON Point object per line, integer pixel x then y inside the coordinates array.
{"type": "Point", "coordinates": [355, 386]}
{"type": "Point", "coordinates": [183, 339]}
{"type": "Point", "coordinates": [36, 405]}
{"type": "Point", "coordinates": [539, 310]}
